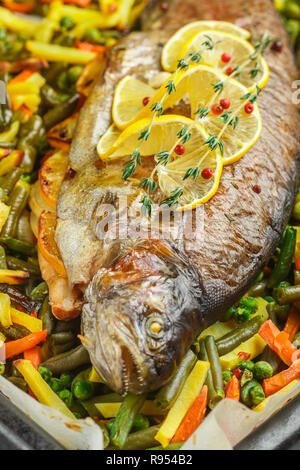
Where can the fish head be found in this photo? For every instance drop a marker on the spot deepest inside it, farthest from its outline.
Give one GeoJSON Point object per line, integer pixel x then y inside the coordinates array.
{"type": "Point", "coordinates": [137, 320]}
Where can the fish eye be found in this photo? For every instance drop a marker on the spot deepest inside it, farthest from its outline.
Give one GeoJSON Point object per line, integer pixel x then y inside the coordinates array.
{"type": "Point", "coordinates": [155, 327]}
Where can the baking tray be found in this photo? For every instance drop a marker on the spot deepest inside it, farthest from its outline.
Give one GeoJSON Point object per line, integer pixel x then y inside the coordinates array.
{"type": "Point", "coordinates": [19, 432]}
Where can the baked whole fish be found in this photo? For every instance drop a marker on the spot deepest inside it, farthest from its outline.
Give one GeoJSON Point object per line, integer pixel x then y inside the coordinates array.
{"type": "Point", "coordinates": [181, 283]}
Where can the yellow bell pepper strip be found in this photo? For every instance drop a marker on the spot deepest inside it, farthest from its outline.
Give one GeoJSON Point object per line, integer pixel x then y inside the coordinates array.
{"type": "Point", "coordinates": [285, 389]}
{"type": "Point", "coordinates": [5, 312]}
{"type": "Point", "coordinates": [56, 53]}
{"type": "Point", "coordinates": [31, 323]}
{"type": "Point", "coordinates": [11, 161]}
{"type": "Point", "coordinates": [11, 133]}
{"type": "Point", "coordinates": [41, 389]}
{"type": "Point", "coordinates": [50, 23]}
{"type": "Point", "coordinates": [187, 396]}
{"type": "Point", "coordinates": [13, 276]}
{"type": "Point", "coordinates": [110, 410]}
{"type": "Point", "coordinates": [124, 9]}
{"type": "Point", "coordinates": [80, 15]}
{"type": "Point", "coordinates": [2, 339]}
{"type": "Point", "coordinates": [18, 346]}
{"type": "Point", "coordinates": [24, 89]}
{"type": "Point", "coordinates": [4, 211]}
{"type": "Point", "coordinates": [253, 346]}
{"type": "Point", "coordinates": [15, 23]}
{"type": "Point", "coordinates": [95, 377]}
{"type": "Point", "coordinates": [136, 12]}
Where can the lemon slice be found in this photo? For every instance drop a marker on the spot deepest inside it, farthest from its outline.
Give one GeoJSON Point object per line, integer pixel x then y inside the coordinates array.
{"type": "Point", "coordinates": [108, 139]}
{"type": "Point", "coordinates": [163, 137]}
{"type": "Point", "coordinates": [198, 84]}
{"type": "Point", "coordinates": [177, 41]}
{"type": "Point", "coordinates": [239, 50]}
{"type": "Point", "coordinates": [128, 99]}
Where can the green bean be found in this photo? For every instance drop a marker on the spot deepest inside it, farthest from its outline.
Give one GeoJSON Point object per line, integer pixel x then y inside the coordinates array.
{"type": "Point", "coordinates": [125, 417]}
{"type": "Point", "coordinates": [168, 393]}
{"type": "Point", "coordinates": [77, 408]}
{"type": "Point", "coordinates": [140, 440]}
{"type": "Point", "coordinates": [72, 325]}
{"type": "Point", "coordinates": [171, 446]}
{"type": "Point", "coordinates": [17, 263]}
{"type": "Point", "coordinates": [39, 293]}
{"type": "Point", "coordinates": [17, 202]}
{"type": "Point", "coordinates": [57, 349]}
{"type": "Point", "coordinates": [63, 337]}
{"type": "Point", "coordinates": [105, 433]}
{"type": "Point", "coordinates": [213, 395]}
{"type": "Point", "coordinates": [29, 136]}
{"type": "Point", "coordinates": [240, 334]}
{"type": "Point", "coordinates": [140, 422]}
{"type": "Point", "coordinates": [11, 179]}
{"type": "Point", "coordinates": [258, 289]}
{"type": "Point", "coordinates": [90, 407]}
{"type": "Point", "coordinates": [5, 113]}
{"type": "Point", "coordinates": [68, 361]}
{"type": "Point", "coordinates": [278, 312]}
{"type": "Point", "coordinates": [19, 382]}
{"type": "Point", "coordinates": [18, 297]}
{"type": "Point", "coordinates": [49, 96]}
{"type": "Point", "coordinates": [60, 112]}
{"type": "Point", "coordinates": [14, 332]}
{"type": "Point", "coordinates": [24, 248]}
{"type": "Point", "coordinates": [3, 263]}
{"type": "Point", "coordinates": [288, 295]}
{"type": "Point", "coordinates": [215, 365]}
{"type": "Point", "coordinates": [45, 314]}
{"type": "Point", "coordinates": [284, 262]}
{"type": "Point", "coordinates": [54, 70]}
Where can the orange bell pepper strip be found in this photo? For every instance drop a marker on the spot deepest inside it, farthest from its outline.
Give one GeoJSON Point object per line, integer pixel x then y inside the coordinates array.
{"type": "Point", "coordinates": [232, 389]}
{"type": "Point", "coordinates": [279, 342]}
{"type": "Point", "coordinates": [87, 46]}
{"type": "Point", "coordinates": [33, 355]}
{"type": "Point", "coordinates": [79, 3]}
{"type": "Point", "coordinates": [193, 418]}
{"type": "Point", "coordinates": [25, 7]}
{"type": "Point", "coordinates": [278, 381]}
{"type": "Point", "coordinates": [292, 325]}
{"type": "Point", "coordinates": [297, 263]}
{"type": "Point", "coordinates": [18, 346]}
{"type": "Point", "coordinates": [21, 77]}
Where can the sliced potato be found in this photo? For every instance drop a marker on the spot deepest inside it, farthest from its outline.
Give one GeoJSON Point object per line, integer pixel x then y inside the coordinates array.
{"type": "Point", "coordinates": [36, 202]}
{"type": "Point", "coordinates": [60, 136]}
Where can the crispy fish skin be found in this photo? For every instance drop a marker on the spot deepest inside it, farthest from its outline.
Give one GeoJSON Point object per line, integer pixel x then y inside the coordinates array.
{"type": "Point", "coordinates": [189, 282]}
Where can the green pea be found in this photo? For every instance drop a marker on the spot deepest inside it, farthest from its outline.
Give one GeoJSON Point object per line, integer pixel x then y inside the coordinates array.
{"type": "Point", "coordinates": [56, 385]}
{"type": "Point", "coordinates": [66, 379]}
{"type": "Point", "coordinates": [66, 396]}
{"type": "Point", "coordinates": [62, 81]}
{"type": "Point", "coordinates": [74, 73]}
{"type": "Point", "coordinates": [249, 303]}
{"type": "Point", "coordinates": [67, 22]}
{"type": "Point", "coordinates": [227, 375]}
{"type": "Point", "coordinates": [2, 368]}
{"type": "Point", "coordinates": [45, 373]}
{"type": "Point", "coordinates": [262, 370]}
{"type": "Point", "coordinates": [94, 35]}
{"type": "Point", "coordinates": [83, 390]}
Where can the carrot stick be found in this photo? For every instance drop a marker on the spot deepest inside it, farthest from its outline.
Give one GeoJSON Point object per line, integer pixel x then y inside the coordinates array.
{"type": "Point", "coordinates": [19, 7]}
{"type": "Point", "coordinates": [87, 46]}
{"type": "Point", "coordinates": [278, 381]}
{"type": "Point", "coordinates": [193, 418]}
{"type": "Point", "coordinates": [13, 348]}
{"type": "Point", "coordinates": [232, 389]}
{"type": "Point", "coordinates": [21, 77]}
{"type": "Point", "coordinates": [292, 325]}
{"type": "Point", "coordinates": [33, 355]}
{"type": "Point", "coordinates": [279, 342]}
